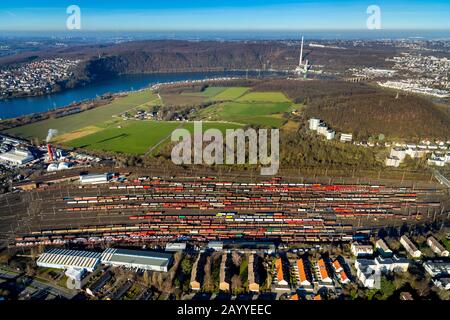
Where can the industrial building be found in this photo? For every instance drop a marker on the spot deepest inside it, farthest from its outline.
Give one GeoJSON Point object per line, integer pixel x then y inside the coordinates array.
{"type": "Point", "coordinates": [137, 259]}
{"type": "Point", "coordinates": [64, 259]}
{"type": "Point", "coordinates": [17, 157]}
{"type": "Point", "coordinates": [437, 247]}
{"type": "Point", "coordinates": [95, 178]}
{"type": "Point", "coordinates": [410, 247]}
{"type": "Point", "coordinates": [175, 246]}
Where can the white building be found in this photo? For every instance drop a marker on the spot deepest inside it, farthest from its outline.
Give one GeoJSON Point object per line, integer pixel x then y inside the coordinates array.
{"type": "Point", "coordinates": [65, 259]}
{"type": "Point", "coordinates": [437, 247]}
{"type": "Point", "coordinates": [410, 247]}
{"type": "Point", "coordinates": [392, 162]}
{"type": "Point", "coordinates": [175, 246]}
{"type": "Point", "coordinates": [398, 152]}
{"type": "Point", "coordinates": [330, 134]}
{"type": "Point", "coordinates": [437, 268]}
{"type": "Point", "coordinates": [313, 124]}
{"type": "Point", "coordinates": [360, 250]}
{"type": "Point", "coordinates": [17, 157]}
{"type": "Point", "coordinates": [94, 178]}
{"type": "Point", "coordinates": [346, 137]}
{"type": "Point", "coordinates": [383, 248]}
{"type": "Point", "coordinates": [395, 263]}
{"type": "Point", "coordinates": [443, 283]}
{"type": "Point", "coordinates": [137, 259]}
{"type": "Point", "coordinates": [368, 273]}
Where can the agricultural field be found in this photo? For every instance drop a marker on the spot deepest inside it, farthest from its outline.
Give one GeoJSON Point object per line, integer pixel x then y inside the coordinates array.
{"type": "Point", "coordinates": [264, 97]}
{"type": "Point", "coordinates": [138, 137]}
{"type": "Point", "coordinates": [132, 137]}
{"type": "Point", "coordinates": [102, 128]}
{"type": "Point", "coordinates": [230, 94]}
{"type": "Point", "coordinates": [84, 119]}
{"type": "Point", "coordinates": [207, 93]}
{"type": "Point", "coordinates": [254, 113]}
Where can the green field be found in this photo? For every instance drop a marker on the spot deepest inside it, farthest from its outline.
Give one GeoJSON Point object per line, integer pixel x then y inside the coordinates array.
{"type": "Point", "coordinates": [133, 137]}
{"type": "Point", "coordinates": [101, 129]}
{"type": "Point", "coordinates": [266, 114]}
{"type": "Point", "coordinates": [208, 92]}
{"type": "Point", "coordinates": [138, 137]}
{"type": "Point", "coordinates": [264, 97]}
{"type": "Point", "coordinates": [232, 93]}
{"type": "Point", "coordinates": [84, 119]}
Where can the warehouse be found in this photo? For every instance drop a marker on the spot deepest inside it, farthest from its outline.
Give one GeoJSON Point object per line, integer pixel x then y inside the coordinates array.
{"type": "Point", "coordinates": [137, 259]}
{"type": "Point", "coordinates": [17, 157]}
{"type": "Point", "coordinates": [95, 178]}
{"type": "Point", "coordinates": [65, 259]}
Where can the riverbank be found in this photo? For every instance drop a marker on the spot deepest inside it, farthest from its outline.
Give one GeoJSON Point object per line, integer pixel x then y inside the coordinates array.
{"type": "Point", "coordinates": [14, 108]}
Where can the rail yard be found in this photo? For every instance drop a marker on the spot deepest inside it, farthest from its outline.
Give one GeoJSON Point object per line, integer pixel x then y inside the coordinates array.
{"type": "Point", "coordinates": [154, 209]}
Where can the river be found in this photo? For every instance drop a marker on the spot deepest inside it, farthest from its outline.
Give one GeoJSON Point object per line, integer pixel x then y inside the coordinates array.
{"type": "Point", "coordinates": [16, 107]}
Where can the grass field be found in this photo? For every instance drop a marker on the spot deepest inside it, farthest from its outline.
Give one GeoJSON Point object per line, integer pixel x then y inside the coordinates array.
{"type": "Point", "coordinates": [264, 97]}
{"type": "Point", "coordinates": [266, 114]}
{"type": "Point", "coordinates": [207, 93]}
{"type": "Point", "coordinates": [100, 129]}
{"type": "Point", "coordinates": [133, 137]}
{"type": "Point", "coordinates": [138, 137]}
{"type": "Point", "coordinates": [231, 94]}
{"type": "Point", "coordinates": [84, 119]}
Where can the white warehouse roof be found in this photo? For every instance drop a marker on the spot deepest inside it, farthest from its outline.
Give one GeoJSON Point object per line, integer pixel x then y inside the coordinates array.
{"type": "Point", "coordinates": [63, 259]}
{"type": "Point", "coordinates": [147, 260]}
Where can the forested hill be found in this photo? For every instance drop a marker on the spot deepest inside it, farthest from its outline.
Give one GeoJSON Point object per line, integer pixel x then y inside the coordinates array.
{"type": "Point", "coordinates": [365, 110]}
{"type": "Point", "coordinates": [177, 55]}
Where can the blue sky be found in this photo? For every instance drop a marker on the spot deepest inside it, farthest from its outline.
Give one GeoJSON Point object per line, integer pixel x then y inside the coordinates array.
{"type": "Point", "coordinates": [35, 15]}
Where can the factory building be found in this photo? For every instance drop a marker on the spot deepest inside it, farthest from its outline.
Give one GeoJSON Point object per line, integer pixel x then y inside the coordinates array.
{"type": "Point", "coordinates": [17, 157]}
{"type": "Point", "coordinates": [437, 247]}
{"type": "Point", "coordinates": [410, 247]}
{"type": "Point", "coordinates": [95, 178]}
{"type": "Point", "coordinates": [137, 259]}
{"type": "Point", "coordinates": [65, 259]}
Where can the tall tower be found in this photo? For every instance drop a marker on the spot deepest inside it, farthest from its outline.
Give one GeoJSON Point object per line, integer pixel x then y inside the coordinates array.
{"type": "Point", "coordinates": [301, 54]}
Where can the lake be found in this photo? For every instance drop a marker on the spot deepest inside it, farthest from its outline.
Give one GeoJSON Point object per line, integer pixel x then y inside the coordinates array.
{"type": "Point", "coordinates": [16, 107]}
